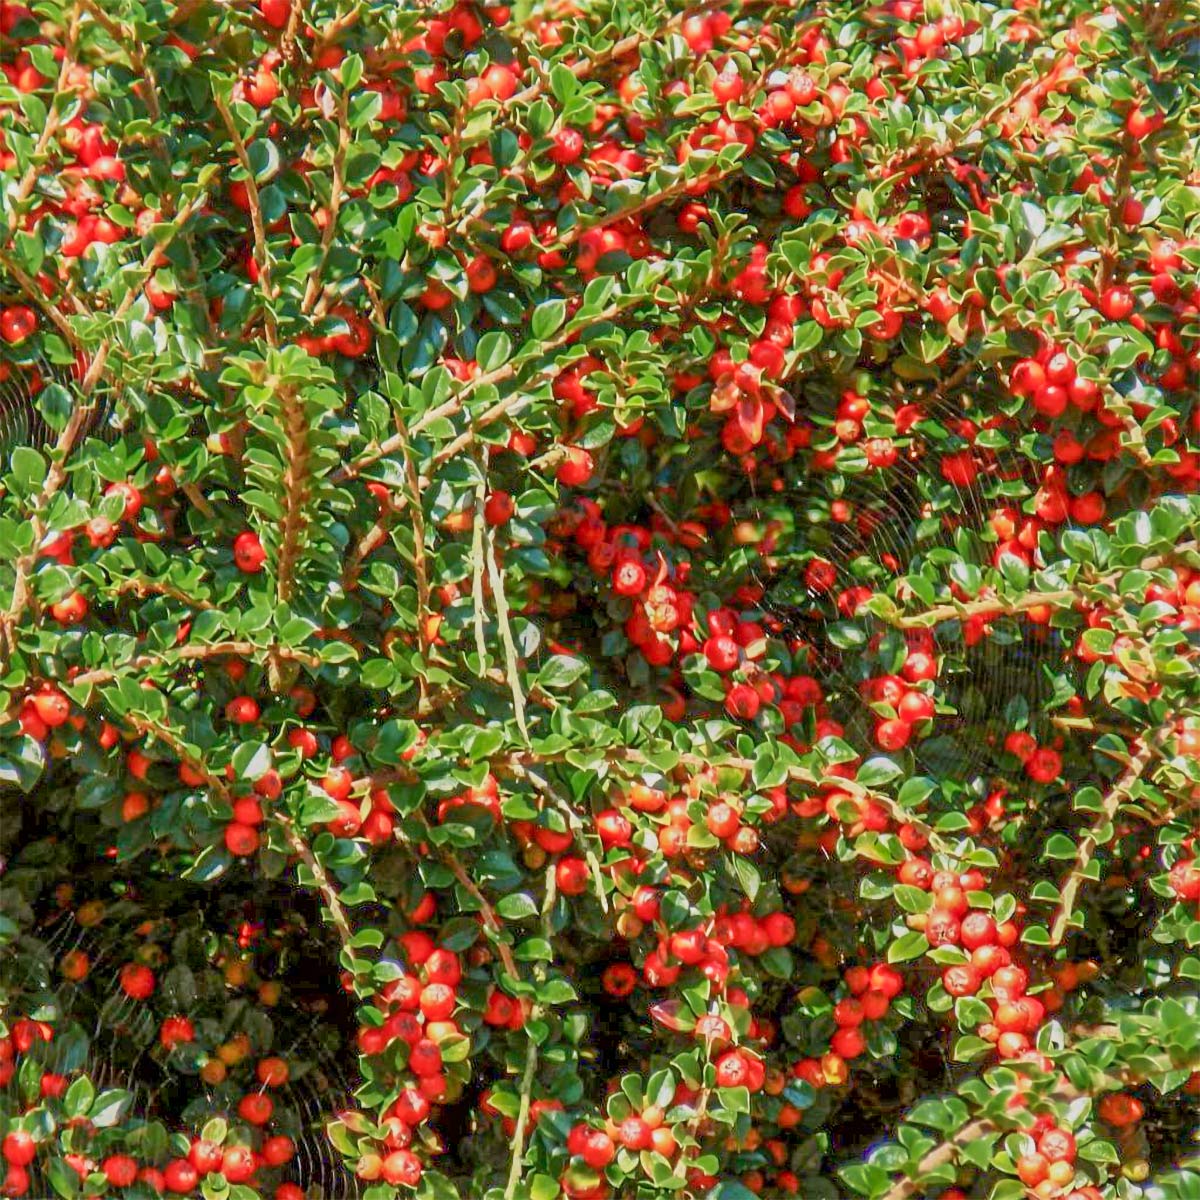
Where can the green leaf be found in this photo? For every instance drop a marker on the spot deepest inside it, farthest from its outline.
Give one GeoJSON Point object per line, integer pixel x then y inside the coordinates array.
{"type": "Point", "coordinates": [110, 1107]}
{"type": "Point", "coordinates": [516, 907]}
{"type": "Point", "coordinates": [534, 949]}
{"type": "Point", "coordinates": [78, 1099]}
{"type": "Point", "coordinates": [808, 336]}
{"type": "Point", "coordinates": [563, 82]}
{"type": "Point", "coordinates": [543, 1187]}
{"type": "Point", "coordinates": [493, 351]}
{"type": "Point", "coordinates": [877, 771]}
{"type": "Point", "coordinates": [1058, 845]}
{"type": "Point", "coordinates": [546, 319]}
{"type": "Point", "coordinates": [63, 1178]}
{"type": "Point", "coordinates": [560, 671]}
{"type": "Point", "coordinates": [747, 876]}
{"type": "Point", "coordinates": [28, 469]}
{"type": "Point", "coordinates": [908, 946]}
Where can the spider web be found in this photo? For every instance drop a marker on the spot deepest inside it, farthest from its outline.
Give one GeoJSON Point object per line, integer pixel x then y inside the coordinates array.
{"type": "Point", "coordinates": [23, 403]}
{"type": "Point", "coordinates": [122, 1033]}
{"type": "Point", "coordinates": [998, 667]}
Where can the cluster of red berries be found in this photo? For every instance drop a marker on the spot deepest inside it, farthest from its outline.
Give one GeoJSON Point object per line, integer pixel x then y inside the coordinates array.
{"type": "Point", "coordinates": [418, 1008]}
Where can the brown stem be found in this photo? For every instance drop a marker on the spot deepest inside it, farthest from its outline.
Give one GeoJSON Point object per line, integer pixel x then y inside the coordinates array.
{"type": "Point", "coordinates": [173, 742]}
{"type": "Point", "coordinates": [924, 156]}
{"type": "Point", "coordinates": [420, 565]}
{"type": "Point", "coordinates": [1091, 841]}
{"type": "Point", "coordinates": [261, 253]}
{"type": "Point", "coordinates": [485, 908]}
{"type": "Point", "coordinates": [995, 606]}
{"type": "Point", "coordinates": [53, 118]}
{"type": "Point", "coordinates": [990, 606]}
{"type": "Point", "coordinates": [35, 294]}
{"type": "Point", "coordinates": [196, 653]}
{"type": "Point", "coordinates": [796, 774]}
{"type": "Point", "coordinates": [325, 886]}
{"type": "Point", "coordinates": [334, 30]}
{"type": "Point", "coordinates": [511, 658]}
{"type": "Point", "coordinates": [288, 44]}
{"type": "Point", "coordinates": [478, 569]}
{"type": "Point", "coordinates": [55, 478]}
{"type": "Point", "coordinates": [363, 549]}
{"type": "Point", "coordinates": [296, 489]}
{"type": "Point", "coordinates": [696, 1121]}
{"type": "Point", "coordinates": [148, 587]}
{"type": "Point", "coordinates": [184, 12]}
{"type": "Point", "coordinates": [913, 1185]}
{"type": "Point", "coordinates": [905, 1188]}
{"type": "Point", "coordinates": [652, 200]}
{"type": "Point", "coordinates": [455, 404]}
{"type": "Point", "coordinates": [338, 185]}
{"type": "Point", "coordinates": [517, 1148]}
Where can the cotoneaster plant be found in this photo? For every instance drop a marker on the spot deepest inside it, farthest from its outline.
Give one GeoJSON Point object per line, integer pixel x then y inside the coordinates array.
{"type": "Point", "coordinates": [599, 601]}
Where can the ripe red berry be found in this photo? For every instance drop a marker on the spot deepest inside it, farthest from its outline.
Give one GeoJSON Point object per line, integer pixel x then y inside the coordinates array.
{"type": "Point", "coordinates": [572, 876]}
{"type": "Point", "coordinates": [402, 1168]}
{"type": "Point", "coordinates": [120, 1170]}
{"type": "Point", "coordinates": [961, 980]}
{"type": "Point", "coordinates": [742, 702]}
{"type": "Point", "coordinates": [19, 1148]}
{"type": "Point", "coordinates": [1184, 879]}
{"type": "Point", "coordinates": [568, 146]}
{"type": "Point", "coordinates": [1116, 303]}
{"type": "Point", "coordinates": [53, 708]}
{"type": "Point", "coordinates": [176, 1030]}
{"type": "Point", "coordinates": [137, 981]}
{"type": "Point", "coordinates": [892, 735]}
{"type": "Point", "coordinates": [241, 840]}
{"type": "Point", "coordinates": [278, 1150]}
{"type": "Point", "coordinates": [498, 508]}
{"type": "Point", "coordinates": [180, 1176]}
{"type": "Point", "coordinates": [576, 467]}
{"type": "Point", "coordinates": [248, 553]}
{"type": "Point", "coordinates": [237, 1163]}
{"type": "Point", "coordinates": [242, 710]}
{"type": "Point", "coordinates": [17, 322]}
{"type": "Point", "coordinates": [256, 1108]}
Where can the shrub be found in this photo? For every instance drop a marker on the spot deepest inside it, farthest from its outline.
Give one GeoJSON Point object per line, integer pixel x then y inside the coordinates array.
{"type": "Point", "coordinates": [600, 601]}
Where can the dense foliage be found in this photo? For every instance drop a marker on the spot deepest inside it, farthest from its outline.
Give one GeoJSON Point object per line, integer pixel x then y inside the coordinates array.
{"type": "Point", "coordinates": [600, 600]}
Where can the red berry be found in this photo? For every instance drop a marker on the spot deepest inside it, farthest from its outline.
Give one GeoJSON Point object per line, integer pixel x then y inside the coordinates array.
{"type": "Point", "coordinates": [248, 553]}
{"type": "Point", "coordinates": [19, 1148]}
{"type": "Point", "coordinates": [137, 981]}
{"type": "Point", "coordinates": [1116, 303]}
{"type": "Point", "coordinates": [180, 1176]}
{"type": "Point", "coordinates": [17, 322]}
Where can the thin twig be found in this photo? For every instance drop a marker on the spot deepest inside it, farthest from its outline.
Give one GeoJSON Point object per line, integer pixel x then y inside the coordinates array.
{"type": "Point", "coordinates": [924, 156]}
{"type": "Point", "coordinates": [325, 885]}
{"type": "Point", "coordinates": [511, 660]}
{"type": "Point", "coordinates": [195, 653]}
{"type": "Point", "coordinates": [1090, 843]}
{"type": "Point", "coordinates": [169, 738]}
{"type": "Point", "coordinates": [24, 189]}
{"type": "Point", "coordinates": [338, 184]}
{"type": "Point", "coordinates": [477, 570]}
{"type": "Point", "coordinates": [35, 294]}
{"type": "Point", "coordinates": [903, 1189]}
{"type": "Point", "coordinates": [297, 488]}
{"type": "Point", "coordinates": [485, 908]}
{"type": "Point", "coordinates": [261, 252]}
{"type": "Point", "coordinates": [517, 1149]}
{"type": "Point", "coordinates": [572, 818]}
{"type": "Point", "coordinates": [149, 587]}
{"type": "Point", "coordinates": [455, 403]}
